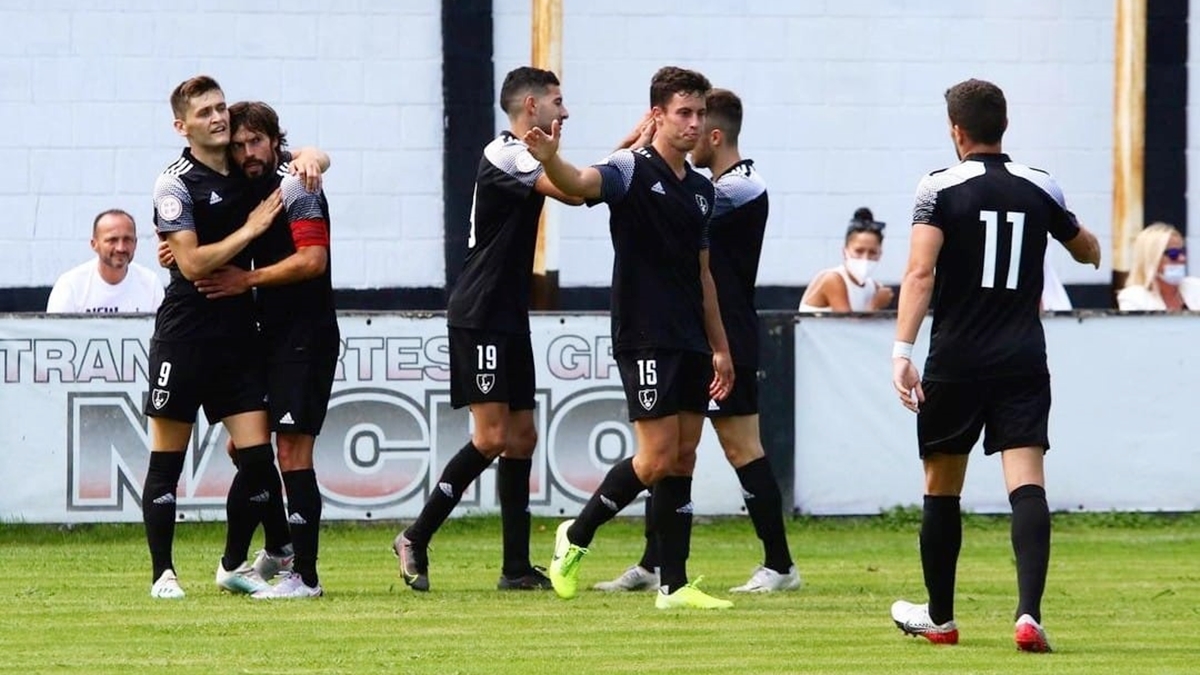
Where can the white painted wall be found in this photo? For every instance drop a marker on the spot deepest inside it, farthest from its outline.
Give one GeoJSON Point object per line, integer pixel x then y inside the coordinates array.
{"type": "Point", "coordinates": [85, 124]}
{"type": "Point", "coordinates": [843, 96]}
{"type": "Point", "coordinates": [844, 104]}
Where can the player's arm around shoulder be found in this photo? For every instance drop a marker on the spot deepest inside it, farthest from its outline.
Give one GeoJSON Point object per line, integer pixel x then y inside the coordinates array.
{"type": "Point", "coordinates": [310, 237]}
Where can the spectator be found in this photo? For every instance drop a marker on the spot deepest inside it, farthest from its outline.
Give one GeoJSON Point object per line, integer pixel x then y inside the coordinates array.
{"type": "Point", "coordinates": [1158, 280]}
{"type": "Point", "coordinates": [113, 282]}
{"type": "Point", "coordinates": [849, 286]}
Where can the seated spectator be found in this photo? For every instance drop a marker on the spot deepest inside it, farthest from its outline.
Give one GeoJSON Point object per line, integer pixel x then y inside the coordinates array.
{"type": "Point", "coordinates": [849, 286]}
{"type": "Point", "coordinates": [1158, 280]}
{"type": "Point", "coordinates": [113, 282]}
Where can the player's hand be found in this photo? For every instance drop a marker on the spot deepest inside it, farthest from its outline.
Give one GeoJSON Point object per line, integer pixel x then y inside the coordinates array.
{"type": "Point", "coordinates": [165, 257]}
{"type": "Point", "coordinates": [308, 170]}
{"type": "Point", "coordinates": [224, 282]}
{"type": "Point", "coordinates": [264, 214]}
{"type": "Point", "coordinates": [541, 145]}
{"type": "Point", "coordinates": [907, 382]}
{"type": "Point", "coordinates": [883, 297]}
{"type": "Point", "coordinates": [722, 382]}
{"type": "Point", "coordinates": [642, 133]}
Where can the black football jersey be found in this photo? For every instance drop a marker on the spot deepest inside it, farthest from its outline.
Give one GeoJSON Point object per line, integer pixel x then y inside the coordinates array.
{"type": "Point", "coordinates": [191, 196]}
{"type": "Point", "coordinates": [659, 225]}
{"type": "Point", "coordinates": [306, 305]}
{"type": "Point", "coordinates": [994, 215]}
{"type": "Point", "coordinates": [739, 220]}
{"type": "Point", "coordinates": [492, 292]}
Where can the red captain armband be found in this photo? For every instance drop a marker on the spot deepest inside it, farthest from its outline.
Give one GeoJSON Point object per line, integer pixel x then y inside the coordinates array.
{"type": "Point", "coordinates": [310, 233]}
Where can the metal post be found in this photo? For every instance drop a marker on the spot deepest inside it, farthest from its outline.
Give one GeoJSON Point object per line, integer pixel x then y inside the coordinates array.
{"type": "Point", "coordinates": [547, 54]}
{"type": "Point", "coordinates": [1129, 134]}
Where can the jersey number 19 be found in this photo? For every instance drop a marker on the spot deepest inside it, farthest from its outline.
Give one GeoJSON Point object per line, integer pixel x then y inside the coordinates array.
{"type": "Point", "coordinates": [991, 231]}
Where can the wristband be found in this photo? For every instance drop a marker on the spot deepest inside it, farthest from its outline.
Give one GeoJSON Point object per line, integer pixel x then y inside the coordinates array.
{"type": "Point", "coordinates": [902, 350]}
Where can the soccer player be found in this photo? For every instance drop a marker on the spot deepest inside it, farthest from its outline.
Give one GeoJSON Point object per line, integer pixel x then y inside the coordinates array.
{"type": "Point", "coordinates": [205, 353]}
{"type": "Point", "coordinates": [491, 356]}
{"type": "Point", "coordinates": [977, 245]}
{"type": "Point", "coordinates": [299, 331]}
{"type": "Point", "coordinates": [669, 344]}
{"type": "Point", "coordinates": [739, 220]}
{"type": "Point", "coordinates": [112, 282]}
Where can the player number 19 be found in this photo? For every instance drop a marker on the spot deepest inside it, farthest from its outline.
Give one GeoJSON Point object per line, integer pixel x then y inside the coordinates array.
{"type": "Point", "coordinates": [486, 356]}
{"type": "Point", "coordinates": [991, 231]}
{"type": "Point", "coordinates": [647, 372]}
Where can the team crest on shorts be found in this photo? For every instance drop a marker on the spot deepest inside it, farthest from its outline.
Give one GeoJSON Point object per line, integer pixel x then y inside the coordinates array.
{"type": "Point", "coordinates": [485, 382]}
{"type": "Point", "coordinates": [158, 398]}
{"type": "Point", "coordinates": [702, 203]}
{"type": "Point", "coordinates": [648, 397]}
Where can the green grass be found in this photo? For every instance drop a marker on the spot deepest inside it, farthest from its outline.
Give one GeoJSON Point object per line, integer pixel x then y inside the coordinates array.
{"type": "Point", "coordinates": [1123, 597]}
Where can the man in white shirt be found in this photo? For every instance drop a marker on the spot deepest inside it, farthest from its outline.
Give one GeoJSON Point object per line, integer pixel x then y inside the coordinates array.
{"type": "Point", "coordinates": [113, 282]}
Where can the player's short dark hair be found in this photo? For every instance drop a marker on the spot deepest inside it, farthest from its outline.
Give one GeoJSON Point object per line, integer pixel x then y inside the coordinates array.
{"type": "Point", "coordinates": [978, 108]}
{"type": "Point", "coordinates": [671, 80]}
{"type": "Point", "coordinates": [864, 221]}
{"type": "Point", "coordinates": [520, 82]}
{"type": "Point", "coordinates": [725, 113]}
{"type": "Point", "coordinates": [190, 89]}
{"type": "Point", "coordinates": [257, 116]}
{"type": "Point", "coordinates": [111, 212]}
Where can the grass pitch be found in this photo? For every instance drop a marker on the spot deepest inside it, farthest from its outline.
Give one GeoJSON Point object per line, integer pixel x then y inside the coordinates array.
{"type": "Point", "coordinates": [1123, 597]}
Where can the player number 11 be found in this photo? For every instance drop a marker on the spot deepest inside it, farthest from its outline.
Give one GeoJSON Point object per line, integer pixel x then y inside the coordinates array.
{"type": "Point", "coordinates": [991, 225]}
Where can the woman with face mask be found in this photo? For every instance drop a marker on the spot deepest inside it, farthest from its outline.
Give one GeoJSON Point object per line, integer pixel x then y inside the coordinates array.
{"type": "Point", "coordinates": [1158, 279]}
{"type": "Point", "coordinates": [849, 286]}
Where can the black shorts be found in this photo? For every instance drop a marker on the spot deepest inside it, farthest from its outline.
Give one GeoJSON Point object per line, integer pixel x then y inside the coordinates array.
{"type": "Point", "coordinates": [225, 377]}
{"type": "Point", "coordinates": [661, 383]}
{"type": "Point", "coordinates": [299, 383]}
{"type": "Point", "coordinates": [1014, 412]}
{"type": "Point", "coordinates": [743, 400]}
{"type": "Point", "coordinates": [490, 367]}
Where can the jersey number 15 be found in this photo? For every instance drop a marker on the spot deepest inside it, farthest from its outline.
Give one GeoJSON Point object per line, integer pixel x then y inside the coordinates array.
{"type": "Point", "coordinates": [991, 231]}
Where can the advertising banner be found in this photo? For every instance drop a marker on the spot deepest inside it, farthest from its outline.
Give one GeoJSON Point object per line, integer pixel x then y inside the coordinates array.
{"type": "Point", "coordinates": [76, 444]}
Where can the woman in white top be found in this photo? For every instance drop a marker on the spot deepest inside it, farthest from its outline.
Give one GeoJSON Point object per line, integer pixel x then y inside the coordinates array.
{"type": "Point", "coordinates": [849, 286]}
{"type": "Point", "coordinates": [1158, 280]}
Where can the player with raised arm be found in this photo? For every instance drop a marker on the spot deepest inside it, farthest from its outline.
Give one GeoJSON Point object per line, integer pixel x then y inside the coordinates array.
{"type": "Point", "coordinates": [669, 343]}
{"type": "Point", "coordinates": [736, 233]}
{"type": "Point", "coordinates": [491, 355]}
{"type": "Point", "coordinates": [976, 252]}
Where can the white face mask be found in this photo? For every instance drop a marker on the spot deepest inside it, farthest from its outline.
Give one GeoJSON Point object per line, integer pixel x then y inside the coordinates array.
{"type": "Point", "coordinates": [1173, 274]}
{"type": "Point", "coordinates": [861, 268]}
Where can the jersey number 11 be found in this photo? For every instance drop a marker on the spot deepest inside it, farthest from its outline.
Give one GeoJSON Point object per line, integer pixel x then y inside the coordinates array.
{"type": "Point", "coordinates": [991, 232]}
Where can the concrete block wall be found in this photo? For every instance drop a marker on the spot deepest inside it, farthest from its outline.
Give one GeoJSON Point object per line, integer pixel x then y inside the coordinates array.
{"type": "Point", "coordinates": [844, 105]}
{"type": "Point", "coordinates": [85, 124]}
{"type": "Point", "coordinates": [844, 108]}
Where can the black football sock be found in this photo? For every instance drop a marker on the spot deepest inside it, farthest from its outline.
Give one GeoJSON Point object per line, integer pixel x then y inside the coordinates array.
{"type": "Point", "coordinates": [512, 484]}
{"type": "Point", "coordinates": [158, 507]}
{"type": "Point", "coordinates": [276, 533]}
{"type": "Point", "coordinates": [249, 496]}
{"type": "Point", "coordinates": [764, 503]}
{"type": "Point", "coordinates": [304, 517]}
{"type": "Point", "coordinates": [941, 540]}
{"type": "Point", "coordinates": [1031, 545]}
{"type": "Point", "coordinates": [619, 487]}
{"type": "Point", "coordinates": [650, 560]}
{"type": "Point", "coordinates": [673, 523]}
{"type": "Point", "coordinates": [462, 470]}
